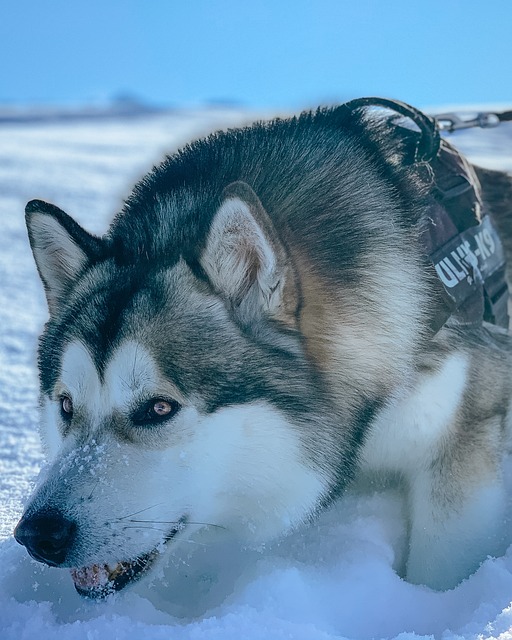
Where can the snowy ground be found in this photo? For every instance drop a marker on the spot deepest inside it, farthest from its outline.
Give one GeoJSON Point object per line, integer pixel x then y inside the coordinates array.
{"type": "Point", "coordinates": [333, 580]}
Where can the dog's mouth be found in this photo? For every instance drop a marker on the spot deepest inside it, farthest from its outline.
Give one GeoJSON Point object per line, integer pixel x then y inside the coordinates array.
{"type": "Point", "coordinates": [98, 581]}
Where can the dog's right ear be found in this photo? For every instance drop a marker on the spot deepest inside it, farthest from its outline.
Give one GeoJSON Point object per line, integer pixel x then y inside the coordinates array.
{"type": "Point", "coordinates": [61, 248]}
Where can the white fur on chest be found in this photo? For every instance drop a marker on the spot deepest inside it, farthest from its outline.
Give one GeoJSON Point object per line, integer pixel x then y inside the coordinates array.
{"type": "Point", "coordinates": [410, 431]}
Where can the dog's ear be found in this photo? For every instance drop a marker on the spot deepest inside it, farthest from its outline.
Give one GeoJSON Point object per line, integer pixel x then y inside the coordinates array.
{"type": "Point", "coordinates": [245, 260]}
{"type": "Point", "coordinates": [61, 248]}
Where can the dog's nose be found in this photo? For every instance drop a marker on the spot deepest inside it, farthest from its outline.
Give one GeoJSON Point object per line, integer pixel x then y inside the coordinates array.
{"type": "Point", "coordinates": [47, 535]}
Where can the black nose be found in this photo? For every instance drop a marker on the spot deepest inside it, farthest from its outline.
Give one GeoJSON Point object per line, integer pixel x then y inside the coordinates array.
{"type": "Point", "coordinates": [47, 535]}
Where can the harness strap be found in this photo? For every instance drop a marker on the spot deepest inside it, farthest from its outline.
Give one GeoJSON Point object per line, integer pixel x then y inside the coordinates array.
{"type": "Point", "coordinates": [459, 238]}
{"type": "Point", "coordinates": [463, 245]}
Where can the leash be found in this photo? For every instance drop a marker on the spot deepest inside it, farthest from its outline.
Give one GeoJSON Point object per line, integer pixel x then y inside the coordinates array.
{"type": "Point", "coordinates": [459, 239]}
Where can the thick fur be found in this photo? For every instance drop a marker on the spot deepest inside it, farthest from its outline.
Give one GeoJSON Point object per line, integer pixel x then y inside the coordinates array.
{"type": "Point", "coordinates": [271, 281]}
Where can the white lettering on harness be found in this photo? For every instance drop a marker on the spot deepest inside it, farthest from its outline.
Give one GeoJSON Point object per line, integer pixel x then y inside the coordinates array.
{"type": "Point", "coordinates": [463, 262]}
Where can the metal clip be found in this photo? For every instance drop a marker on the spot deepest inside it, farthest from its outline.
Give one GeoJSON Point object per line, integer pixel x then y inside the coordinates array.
{"type": "Point", "coordinates": [452, 122]}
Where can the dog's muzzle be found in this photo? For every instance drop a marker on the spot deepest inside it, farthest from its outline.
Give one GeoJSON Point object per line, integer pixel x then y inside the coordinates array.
{"type": "Point", "coordinates": [48, 537]}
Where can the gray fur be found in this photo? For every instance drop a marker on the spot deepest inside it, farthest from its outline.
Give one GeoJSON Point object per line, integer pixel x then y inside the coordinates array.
{"type": "Point", "coordinates": [279, 269]}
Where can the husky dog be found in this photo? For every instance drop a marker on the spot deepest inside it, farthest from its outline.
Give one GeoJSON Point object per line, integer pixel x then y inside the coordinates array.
{"type": "Point", "coordinates": [251, 334]}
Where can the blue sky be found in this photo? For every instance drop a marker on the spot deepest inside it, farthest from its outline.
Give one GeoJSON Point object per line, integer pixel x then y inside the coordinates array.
{"type": "Point", "coordinates": [268, 53]}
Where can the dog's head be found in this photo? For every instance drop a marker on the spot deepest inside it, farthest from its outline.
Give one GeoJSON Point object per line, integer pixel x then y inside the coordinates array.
{"type": "Point", "coordinates": [175, 393]}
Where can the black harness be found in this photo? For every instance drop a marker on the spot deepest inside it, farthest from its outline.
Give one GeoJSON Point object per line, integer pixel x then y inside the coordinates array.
{"type": "Point", "coordinates": [463, 245]}
{"type": "Point", "coordinates": [459, 239]}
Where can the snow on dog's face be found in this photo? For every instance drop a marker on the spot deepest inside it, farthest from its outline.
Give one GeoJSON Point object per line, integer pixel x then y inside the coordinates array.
{"type": "Point", "coordinates": [170, 400]}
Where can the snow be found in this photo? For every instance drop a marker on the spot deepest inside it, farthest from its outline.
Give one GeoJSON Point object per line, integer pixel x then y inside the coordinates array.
{"type": "Point", "coordinates": [334, 579]}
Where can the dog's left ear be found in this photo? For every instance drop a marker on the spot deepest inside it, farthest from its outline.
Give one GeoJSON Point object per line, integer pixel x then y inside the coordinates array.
{"type": "Point", "coordinates": [246, 261]}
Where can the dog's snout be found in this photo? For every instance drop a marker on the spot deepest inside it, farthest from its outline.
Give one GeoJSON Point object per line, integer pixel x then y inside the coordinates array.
{"type": "Point", "coordinates": [47, 535]}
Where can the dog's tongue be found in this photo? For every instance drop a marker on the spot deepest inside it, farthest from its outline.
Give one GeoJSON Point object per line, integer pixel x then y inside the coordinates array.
{"type": "Point", "coordinates": [94, 577]}
{"type": "Point", "coordinates": [100, 580]}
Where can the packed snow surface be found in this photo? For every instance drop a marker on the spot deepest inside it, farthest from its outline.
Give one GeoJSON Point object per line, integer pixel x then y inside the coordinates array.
{"type": "Point", "coordinates": [334, 579]}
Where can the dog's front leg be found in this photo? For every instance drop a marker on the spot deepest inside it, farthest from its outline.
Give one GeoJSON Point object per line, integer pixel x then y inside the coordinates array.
{"type": "Point", "coordinates": [457, 513]}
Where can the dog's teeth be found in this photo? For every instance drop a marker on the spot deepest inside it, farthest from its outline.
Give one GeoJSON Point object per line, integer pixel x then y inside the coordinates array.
{"type": "Point", "coordinates": [115, 570]}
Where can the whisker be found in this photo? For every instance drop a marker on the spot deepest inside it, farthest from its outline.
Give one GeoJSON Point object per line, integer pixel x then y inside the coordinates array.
{"type": "Point", "coordinates": [188, 540]}
{"type": "Point", "coordinates": [136, 513]}
{"type": "Point", "coordinates": [94, 489]}
{"type": "Point", "coordinates": [139, 527]}
{"type": "Point", "coordinates": [181, 523]}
